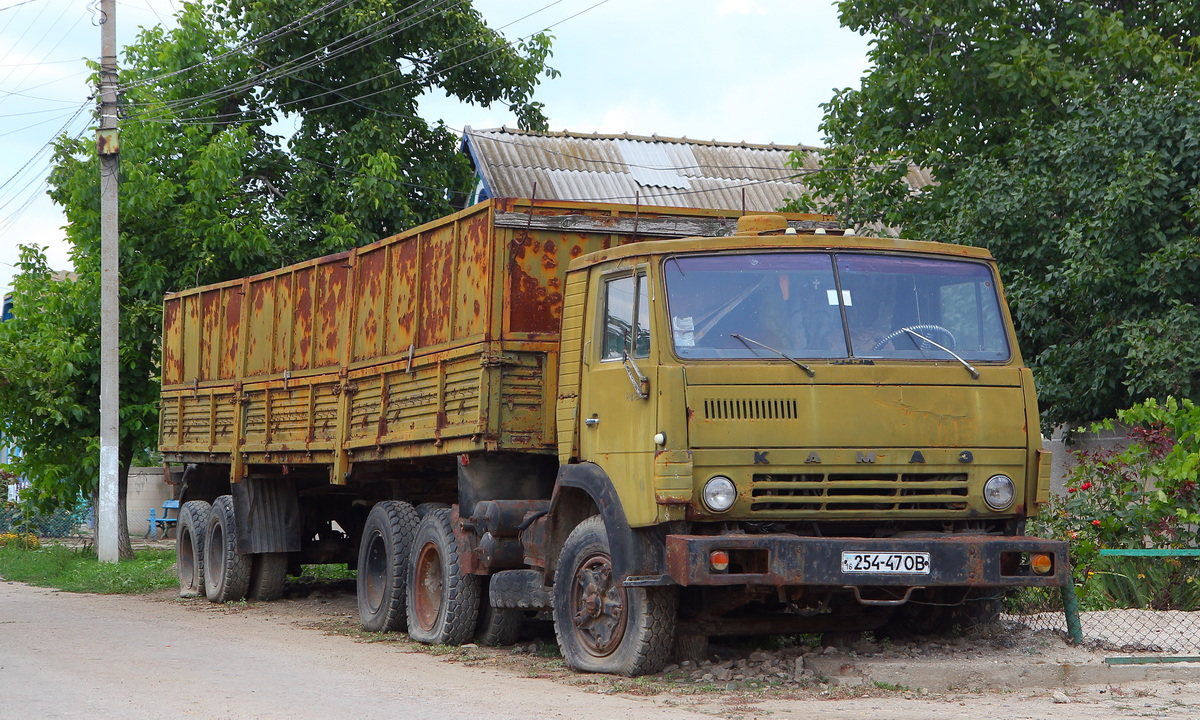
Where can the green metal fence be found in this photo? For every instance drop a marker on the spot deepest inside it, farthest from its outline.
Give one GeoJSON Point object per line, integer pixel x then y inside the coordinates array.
{"type": "Point", "coordinates": [58, 524]}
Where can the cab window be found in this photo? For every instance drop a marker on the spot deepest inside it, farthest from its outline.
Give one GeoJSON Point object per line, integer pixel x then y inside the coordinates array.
{"type": "Point", "coordinates": [626, 318]}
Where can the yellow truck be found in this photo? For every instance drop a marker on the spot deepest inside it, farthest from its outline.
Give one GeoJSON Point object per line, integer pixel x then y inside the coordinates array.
{"type": "Point", "coordinates": [659, 424]}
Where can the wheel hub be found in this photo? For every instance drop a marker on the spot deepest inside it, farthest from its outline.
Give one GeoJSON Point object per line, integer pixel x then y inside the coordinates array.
{"type": "Point", "coordinates": [600, 606]}
{"type": "Point", "coordinates": [427, 598]}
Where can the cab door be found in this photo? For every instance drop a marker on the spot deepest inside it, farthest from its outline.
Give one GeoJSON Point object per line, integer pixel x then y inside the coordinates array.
{"type": "Point", "coordinates": [617, 395]}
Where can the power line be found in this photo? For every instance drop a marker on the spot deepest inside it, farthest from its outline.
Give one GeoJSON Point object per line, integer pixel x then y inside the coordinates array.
{"type": "Point", "coordinates": [292, 71]}
{"type": "Point", "coordinates": [51, 28]}
{"type": "Point", "coordinates": [16, 5]}
{"type": "Point", "coordinates": [278, 32]}
{"type": "Point", "coordinates": [7, 222]}
{"type": "Point", "coordinates": [357, 100]}
{"type": "Point", "coordinates": [311, 59]}
{"type": "Point", "coordinates": [45, 62]}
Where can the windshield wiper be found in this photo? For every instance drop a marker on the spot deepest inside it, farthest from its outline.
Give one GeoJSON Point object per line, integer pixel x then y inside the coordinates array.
{"type": "Point", "coordinates": [746, 341]}
{"type": "Point", "coordinates": [956, 356]}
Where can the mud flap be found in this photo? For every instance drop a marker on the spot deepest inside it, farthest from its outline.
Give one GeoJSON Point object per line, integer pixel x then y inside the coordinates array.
{"type": "Point", "coordinates": [267, 512]}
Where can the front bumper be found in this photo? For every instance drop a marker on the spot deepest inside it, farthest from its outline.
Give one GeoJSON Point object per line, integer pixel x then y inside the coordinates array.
{"type": "Point", "coordinates": [783, 560]}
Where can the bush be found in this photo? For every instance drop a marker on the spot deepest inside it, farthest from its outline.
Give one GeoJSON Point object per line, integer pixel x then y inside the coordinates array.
{"type": "Point", "coordinates": [1144, 496]}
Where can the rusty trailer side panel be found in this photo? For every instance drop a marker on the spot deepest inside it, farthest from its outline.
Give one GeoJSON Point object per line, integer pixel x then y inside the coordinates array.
{"type": "Point", "coordinates": [439, 340]}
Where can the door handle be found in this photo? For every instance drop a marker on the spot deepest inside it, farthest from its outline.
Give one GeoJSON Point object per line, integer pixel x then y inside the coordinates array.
{"type": "Point", "coordinates": [592, 421]}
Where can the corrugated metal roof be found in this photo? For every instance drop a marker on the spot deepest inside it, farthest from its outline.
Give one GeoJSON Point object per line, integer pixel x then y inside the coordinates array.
{"type": "Point", "coordinates": [675, 172]}
{"type": "Point", "coordinates": [651, 165]}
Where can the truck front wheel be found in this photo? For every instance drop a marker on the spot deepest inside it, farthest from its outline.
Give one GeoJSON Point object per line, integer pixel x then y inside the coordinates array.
{"type": "Point", "coordinates": [443, 601]}
{"type": "Point", "coordinates": [601, 625]}
{"type": "Point", "coordinates": [383, 557]}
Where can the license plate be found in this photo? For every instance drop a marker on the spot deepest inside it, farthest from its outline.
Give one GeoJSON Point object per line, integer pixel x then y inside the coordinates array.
{"type": "Point", "coordinates": [915, 563]}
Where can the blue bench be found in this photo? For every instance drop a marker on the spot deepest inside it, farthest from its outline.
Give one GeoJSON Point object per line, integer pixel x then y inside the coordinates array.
{"type": "Point", "coordinates": [164, 522]}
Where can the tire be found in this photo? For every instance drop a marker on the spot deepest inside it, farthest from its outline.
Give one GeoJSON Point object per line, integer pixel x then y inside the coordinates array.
{"type": "Point", "coordinates": [602, 626]}
{"type": "Point", "coordinates": [268, 573]}
{"type": "Point", "coordinates": [226, 574]}
{"type": "Point", "coordinates": [497, 626]}
{"type": "Point", "coordinates": [383, 555]}
{"type": "Point", "coordinates": [189, 547]}
{"type": "Point", "coordinates": [443, 601]}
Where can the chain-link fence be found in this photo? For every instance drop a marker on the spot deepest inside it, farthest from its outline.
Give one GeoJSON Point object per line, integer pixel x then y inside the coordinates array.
{"type": "Point", "coordinates": [61, 523]}
{"type": "Point", "coordinates": [1134, 602]}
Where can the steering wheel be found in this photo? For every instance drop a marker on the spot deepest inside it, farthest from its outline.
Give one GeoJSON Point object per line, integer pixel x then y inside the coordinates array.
{"type": "Point", "coordinates": [930, 331]}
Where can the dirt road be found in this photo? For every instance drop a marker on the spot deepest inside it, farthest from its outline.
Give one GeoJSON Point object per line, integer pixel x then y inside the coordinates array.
{"type": "Point", "coordinates": [71, 656]}
{"type": "Point", "coordinates": [76, 656]}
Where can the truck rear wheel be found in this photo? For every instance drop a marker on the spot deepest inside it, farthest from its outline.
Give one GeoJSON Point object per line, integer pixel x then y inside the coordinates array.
{"type": "Point", "coordinates": [497, 626]}
{"type": "Point", "coordinates": [268, 573]}
{"type": "Point", "coordinates": [601, 625]}
{"type": "Point", "coordinates": [443, 601]}
{"type": "Point", "coordinates": [189, 547]}
{"type": "Point", "coordinates": [226, 574]}
{"type": "Point", "coordinates": [383, 557]}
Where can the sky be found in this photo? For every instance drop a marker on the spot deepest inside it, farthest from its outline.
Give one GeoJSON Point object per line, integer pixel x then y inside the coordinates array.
{"type": "Point", "coordinates": [730, 70]}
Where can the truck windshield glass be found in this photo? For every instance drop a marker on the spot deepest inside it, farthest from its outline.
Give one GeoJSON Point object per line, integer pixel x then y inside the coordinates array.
{"type": "Point", "coordinates": [873, 306]}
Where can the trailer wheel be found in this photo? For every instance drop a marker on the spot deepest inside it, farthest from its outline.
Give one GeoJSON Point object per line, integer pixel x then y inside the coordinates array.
{"type": "Point", "coordinates": [497, 626]}
{"type": "Point", "coordinates": [383, 556]}
{"type": "Point", "coordinates": [602, 626]}
{"type": "Point", "coordinates": [443, 601]}
{"type": "Point", "coordinates": [189, 547]}
{"type": "Point", "coordinates": [268, 572]}
{"type": "Point", "coordinates": [226, 574]}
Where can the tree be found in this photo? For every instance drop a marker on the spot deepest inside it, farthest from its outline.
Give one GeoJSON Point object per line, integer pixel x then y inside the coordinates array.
{"type": "Point", "coordinates": [364, 164]}
{"type": "Point", "coordinates": [1059, 137]}
{"type": "Point", "coordinates": [208, 192]}
{"type": "Point", "coordinates": [42, 353]}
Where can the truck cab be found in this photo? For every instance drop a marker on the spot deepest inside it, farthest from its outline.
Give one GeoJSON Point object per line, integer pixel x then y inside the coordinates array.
{"type": "Point", "coordinates": [832, 430]}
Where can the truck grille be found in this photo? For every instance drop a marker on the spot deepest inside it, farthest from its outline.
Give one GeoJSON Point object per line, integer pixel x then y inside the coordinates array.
{"type": "Point", "coordinates": [859, 491]}
{"type": "Point", "coordinates": [749, 409]}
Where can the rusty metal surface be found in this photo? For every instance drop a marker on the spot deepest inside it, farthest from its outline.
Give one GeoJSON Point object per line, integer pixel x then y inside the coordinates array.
{"type": "Point", "coordinates": [782, 560]}
{"type": "Point", "coordinates": [504, 518]}
{"type": "Point", "coordinates": [441, 339]}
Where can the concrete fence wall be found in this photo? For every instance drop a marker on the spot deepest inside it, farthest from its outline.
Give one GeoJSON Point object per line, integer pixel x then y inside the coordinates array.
{"type": "Point", "coordinates": [1064, 461]}
{"type": "Point", "coordinates": [147, 489]}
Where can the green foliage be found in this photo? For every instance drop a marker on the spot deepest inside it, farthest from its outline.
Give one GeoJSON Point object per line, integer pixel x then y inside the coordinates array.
{"type": "Point", "coordinates": [61, 567]}
{"type": "Point", "coordinates": [1152, 583]}
{"type": "Point", "coordinates": [1144, 496]}
{"type": "Point", "coordinates": [362, 164]}
{"type": "Point", "coordinates": [209, 192]}
{"type": "Point", "coordinates": [327, 572]}
{"type": "Point", "coordinates": [1061, 136]}
{"type": "Point", "coordinates": [49, 383]}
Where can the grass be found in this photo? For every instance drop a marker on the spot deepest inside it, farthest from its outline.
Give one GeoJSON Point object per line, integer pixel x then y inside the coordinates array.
{"type": "Point", "coordinates": [60, 567]}
{"type": "Point", "coordinates": [328, 572]}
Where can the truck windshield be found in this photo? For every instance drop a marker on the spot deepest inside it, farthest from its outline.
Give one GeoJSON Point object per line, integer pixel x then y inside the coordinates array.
{"type": "Point", "coordinates": [823, 305]}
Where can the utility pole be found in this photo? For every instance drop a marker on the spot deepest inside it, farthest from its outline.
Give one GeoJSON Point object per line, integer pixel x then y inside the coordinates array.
{"type": "Point", "coordinates": [108, 145]}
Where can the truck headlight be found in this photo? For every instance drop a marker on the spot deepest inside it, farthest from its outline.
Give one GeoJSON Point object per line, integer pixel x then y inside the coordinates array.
{"type": "Point", "coordinates": [999, 492]}
{"type": "Point", "coordinates": [719, 493]}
